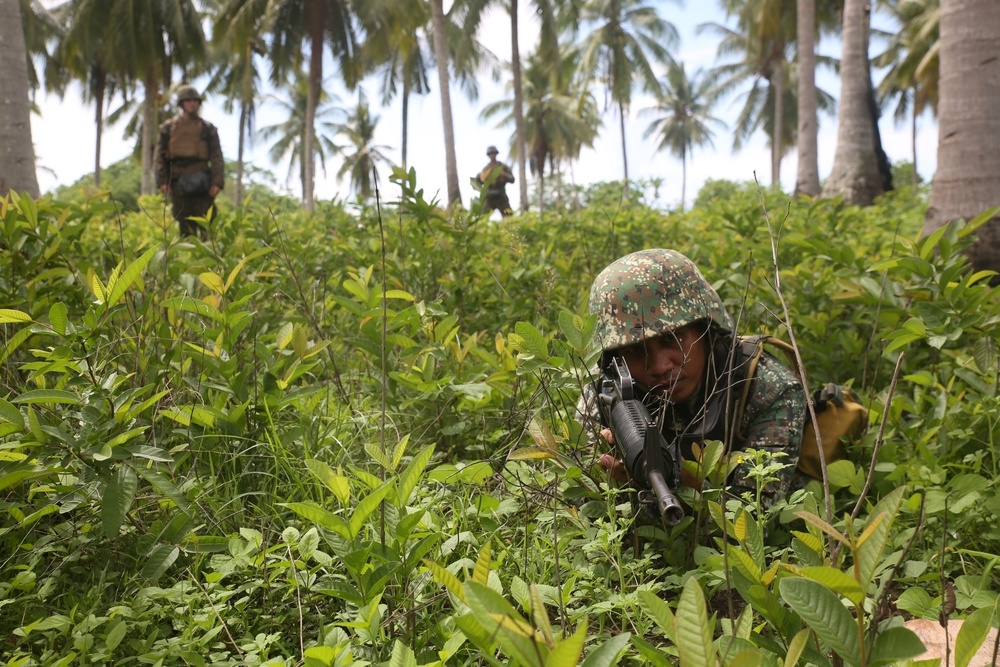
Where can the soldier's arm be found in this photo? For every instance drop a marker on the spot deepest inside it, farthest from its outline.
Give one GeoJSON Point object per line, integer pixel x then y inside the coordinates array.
{"type": "Point", "coordinates": [776, 429]}
{"type": "Point", "coordinates": [218, 163]}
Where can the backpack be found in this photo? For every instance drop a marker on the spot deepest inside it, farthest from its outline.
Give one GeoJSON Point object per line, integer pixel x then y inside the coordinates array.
{"type": "Point", "coordinates": [840, 414]}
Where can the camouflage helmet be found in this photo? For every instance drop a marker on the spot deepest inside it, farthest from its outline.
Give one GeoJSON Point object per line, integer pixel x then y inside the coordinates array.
{"type": "Point", "coordinates": [492, 150]}
{"type": "Point", "coordinates": [650, 293]}
{"type": "Point", "coordinates": [187, 92]}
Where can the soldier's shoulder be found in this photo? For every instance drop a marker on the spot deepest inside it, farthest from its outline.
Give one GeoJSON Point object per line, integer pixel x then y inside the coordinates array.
{"type": "Point", "coordinates": [168, 123]}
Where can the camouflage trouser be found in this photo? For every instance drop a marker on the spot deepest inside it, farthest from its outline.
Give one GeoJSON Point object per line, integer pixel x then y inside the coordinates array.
{"type": "Point", "coordinates": [185, 207]}
{"type": "Point", "coordinates": [499, 202]}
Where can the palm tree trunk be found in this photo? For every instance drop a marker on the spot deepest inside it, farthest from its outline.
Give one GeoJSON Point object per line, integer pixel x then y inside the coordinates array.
{"type": "Point", "coordinates": [855, 173]}
{"type": "Point", "coordinates": [518, 107]}
{"type": "Point", "coordinates": [441, 55]}
{"type": "Point", "coordinates": [967, 181]}
{"type": "Point", "coordinates": [239, 156]}
{"type": "Point", "coordinates": [100, 80]}
{"type": "Point", "coordinates": [684, 178]}
{"type": "Point", "coordinates": [148, 121]}
{"type": "Point", "coordinates": [316, 13]}
{"type": "Point", "coordinates": [17, 152]}
{"type": "Point", "coordinates": [778, 127]}
{"type": "Point", "coordinates": [621, 117]}
{"type": "Point", "coordinates": [807, 177]}
{"type": "Point", "coordinates": [913, 143]}
{"type": "Point", "coordinates": [406, 117]}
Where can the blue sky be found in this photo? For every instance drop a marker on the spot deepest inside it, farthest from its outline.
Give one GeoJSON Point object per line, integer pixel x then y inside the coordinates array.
{"type": "Point", "coordinates": [64, 134]}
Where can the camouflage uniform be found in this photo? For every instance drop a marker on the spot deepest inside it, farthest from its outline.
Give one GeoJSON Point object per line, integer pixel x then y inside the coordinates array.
{"type": "Point", "coordinates": [654, 292]}
{"type": "Point", "coordinates": [496, 192]}
{"type": "Point", "coordinates": [185, 146]}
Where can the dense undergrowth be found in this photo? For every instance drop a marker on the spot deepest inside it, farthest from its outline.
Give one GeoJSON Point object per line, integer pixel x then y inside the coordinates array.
{"type": "Point", "coordinates": [349, 439]}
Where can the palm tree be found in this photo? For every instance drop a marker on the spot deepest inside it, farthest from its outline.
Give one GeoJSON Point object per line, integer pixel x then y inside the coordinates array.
{"type": "Point", "coordinates": [398, 48]}
{"type": "Point", "coordinates": [85, 51]}
{"type": "Point", "coordinates": [150, 37]}
{"type": "Point", "coordinates": [238, 50]}
{"type": "Point", "coordinates": [561, 116]}
{"type": "Point", "coordinates": [912, 58]}
{"type": "Point", "coordinates": [967, 181]}
{"type": "Point", "coordinates": [17, 153]}
{"type": "Point", "coordinates": [807, 177]}
{"type": "Point", "coordinates": [545, 11]}
{"type": "Point", "coordinates": [683, 115]}
{"type": "Point", "coordinates": [290, 24]}
{"type": "Point", "coordinates": [361, 155]}
{"type": "Point", "coordinates": [855, 174]}
{"type": "Point", "coordinates": [441, 58]}
{"type": "Point", "coordinates": [290, 135]}
{"type": "Point", "coordinates": [625, 36]}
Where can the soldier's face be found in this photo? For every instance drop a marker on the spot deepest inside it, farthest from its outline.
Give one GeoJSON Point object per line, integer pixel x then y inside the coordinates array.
{"type": "Point", "coordinates": [672, 364]}
{"type": "Point", "coordinates": [190, 106]}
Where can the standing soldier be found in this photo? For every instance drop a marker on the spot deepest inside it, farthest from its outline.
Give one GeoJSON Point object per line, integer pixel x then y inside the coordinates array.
{"type": "Point", "coordinates": [189, 164]}
{"type": "Point", "coordinates": [496, 175]}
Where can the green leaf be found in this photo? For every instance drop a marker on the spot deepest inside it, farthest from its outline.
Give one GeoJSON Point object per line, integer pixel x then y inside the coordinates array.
{"type": "Point", "coordinates": [446, 579]}
{"type": "Point", "coordinates": [824, 614]}
{"type": "Point", "coordinates": [116, 634]}
{"type": "Point", "coordinates": [837, 581]}
{"type": "Point", "coordinates": [10, 316]}
{"type": "Point", "coordinates": [402, 656]}
{"type": "Point", "coordinates": [160, 559]}
{"type": "Point", "coordinates": [129, 277]}
{"type": "Point", "coordinates": [15, 342]}
{"type": "Point", "coordinates": [321, 517]}
{"type": "Point", "coordinates": [893, 645]}
{"type": "Point", "coordinates": [162, 484]}
{"type": "Point", "coordinates": [212, 281]}
{"type": "Point", "coordinates": [117, 499]}
{"type": "Point", "coordinates": [496, 615]}
{"type": "Point", "coordinates": [796, 646]}
{"type": "Point", "coordinates": [532, 340]}
{"type": "Point", "coordinates": [972, 635]}
{"type": "Point", "coordinates": [869, 553]}
{"type": "Point", "coordinates": [57, 317]}
{"type": "Point", "coordinates": [609, 653]}
{"type": "Point", "coordinates": [566, 653]}
{"type": "Point", "coordinates": [9, 413]}
{"type": "Point", "coordinates": [694, 632]}
{"type": "Point", "coordinates": [481, 571]}
{"type": "Point", "coordinates": [367, 505]}
{"type": "Point", "coordinates": [660, 612]}
{"type": "Point", "coordinates": [189, 304]}
{"type": "Point", "coordinates": [338, 484]}
{"type": "Point", "coordinates": [47, 397]}
{"type": "Point", "coordinates": [411, 476]}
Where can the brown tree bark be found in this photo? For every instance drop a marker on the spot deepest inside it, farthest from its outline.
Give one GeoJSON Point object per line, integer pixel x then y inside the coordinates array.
{"type": "Point", "coordinates": [967, 181]}
{"type": "Point", "coordinates": [17, 152]}
{"type": "Point", "coordinates": [441, 55]}
{"type": "Point", "coordinates": [807, 172]}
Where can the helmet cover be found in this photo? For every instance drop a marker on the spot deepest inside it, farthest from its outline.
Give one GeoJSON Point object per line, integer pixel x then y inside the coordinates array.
{"type": "Point", "coordinates": [650, 293]}
{"type": "Point", "coordinates": [187, 92]}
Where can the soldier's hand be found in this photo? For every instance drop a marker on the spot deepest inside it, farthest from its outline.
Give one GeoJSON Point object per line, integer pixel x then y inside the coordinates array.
{"type": "Point", "coordinates": [165, 189]}
{"type": "Point", "coordinates": [214, 190]}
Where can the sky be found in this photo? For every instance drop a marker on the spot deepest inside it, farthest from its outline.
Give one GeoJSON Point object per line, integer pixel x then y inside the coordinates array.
{"type": "Point", "coordinates": [64, 132]}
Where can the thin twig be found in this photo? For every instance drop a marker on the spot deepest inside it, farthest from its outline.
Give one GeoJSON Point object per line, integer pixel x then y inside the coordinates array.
{"type": "Point", "coordinates": [225, 628]}
{"type": "Point", "coordinates": [828, 501]}
{"type": "Point", "coordinates": [298, 601]}
{"type": "Point", "coordinates": [879, 440]}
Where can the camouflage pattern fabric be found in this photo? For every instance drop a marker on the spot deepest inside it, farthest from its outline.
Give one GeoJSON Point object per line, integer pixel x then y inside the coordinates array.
{"type": "Point", "coordinates": [170, 166]}
{"type": "Point", "coordinates": [650, 293]}
{"type": "Point", "coordinates": [653, 292]}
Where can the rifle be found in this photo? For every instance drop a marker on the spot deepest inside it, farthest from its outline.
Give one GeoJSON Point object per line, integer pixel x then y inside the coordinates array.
{"type": "Point", "coordinates": [652, 463]}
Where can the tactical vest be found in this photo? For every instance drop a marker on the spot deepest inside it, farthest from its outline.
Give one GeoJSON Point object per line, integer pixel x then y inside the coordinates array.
{"type": "Point", "coordinates": [188, 143]}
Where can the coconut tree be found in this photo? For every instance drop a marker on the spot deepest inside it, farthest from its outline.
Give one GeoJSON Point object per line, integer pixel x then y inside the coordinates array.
{"type": "Point", "coordinates": [359, 151]}
{"type": "Point", "coordinates": [855, 174]}
{"type": "Point", "coordinates": [623, 41]}
{"type": "Point", "coordinates": [237, 53]}
{"type": "Point", "coordinates": [545, 12]}
{"type": "Point", "coordinates": [560, 115]}
{"type": "Point", "coordinates": [85, 52]}
{"type": "Point", "coordinates": [807, 176]}
{"type": "Point", "coordinates": [17, 153]}
{"type": "Point", "coordinates": [441, 58]}
{"type": "Point", "coordinates": [290, 135]}
{"type": "Point", "coordinates": [967, 181]}
{"type": "Point", "coordinates": [683, 116]}
{"type": "Point", "coordinates": [911, 56]}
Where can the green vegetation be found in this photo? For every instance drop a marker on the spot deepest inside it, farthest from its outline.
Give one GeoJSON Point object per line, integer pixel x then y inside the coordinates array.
{"type": "Point", "coordinates": [347, 437]}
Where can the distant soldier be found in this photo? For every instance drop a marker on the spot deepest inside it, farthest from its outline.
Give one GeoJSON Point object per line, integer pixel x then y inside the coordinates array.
{"type": "Point", "coordinates": [496, 175]}
{"type": "Point", "coordinates": [189, 164]}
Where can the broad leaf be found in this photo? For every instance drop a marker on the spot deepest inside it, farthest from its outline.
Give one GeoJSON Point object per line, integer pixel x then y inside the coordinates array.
{"type": "Point", "coordinates": [128, 277]}
{"type": "Point", "coordinates": [694, 632]}
{"type": "Point", "coordinates": [894, 645]}
{"type": "Point", "coordinates": [972, 635]}
{"type": "Point", "coordinates": [825, 615]}
{"type": "Point", "coordinates": [117, 499]}
{"type": "Point", "coordinates": [609, 653]}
